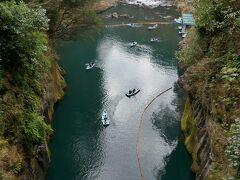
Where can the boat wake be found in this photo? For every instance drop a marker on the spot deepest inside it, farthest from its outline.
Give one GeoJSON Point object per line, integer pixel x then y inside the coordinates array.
{"type": "Point", "coordinates": [150, 3]}
{"type": "Point", "coordinates": [111, 105]}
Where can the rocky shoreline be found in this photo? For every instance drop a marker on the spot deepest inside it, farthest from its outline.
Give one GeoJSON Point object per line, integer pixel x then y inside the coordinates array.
{"type": "Point", "coordinates": [103, 5]}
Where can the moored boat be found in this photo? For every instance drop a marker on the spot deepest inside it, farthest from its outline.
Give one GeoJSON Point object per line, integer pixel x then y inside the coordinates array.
{"type": "Point", "coordinates": [180, 27]}
{"type": "Point", "coordinates": [179, 20]}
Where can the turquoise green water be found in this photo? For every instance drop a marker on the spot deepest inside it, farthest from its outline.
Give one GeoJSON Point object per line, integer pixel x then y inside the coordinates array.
{"type": "Point", "coordinates": [81, 147]}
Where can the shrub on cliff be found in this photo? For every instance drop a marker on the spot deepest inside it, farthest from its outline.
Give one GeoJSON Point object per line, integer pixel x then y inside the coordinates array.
{"type": "Point", "coordinates": [22, 41]}
{"type": "Point", "coordinates": [211, 60]}
{"type": "Point", "coordinates": [211, 57]}
{"type": "Point", "coordinates": [213, 16]}
{"type": "Point", "coordinates": [24, 62]}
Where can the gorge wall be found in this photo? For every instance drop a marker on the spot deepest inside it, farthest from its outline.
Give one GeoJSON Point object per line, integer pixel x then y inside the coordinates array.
{"type": "Point", "coordinates": [209, 58]}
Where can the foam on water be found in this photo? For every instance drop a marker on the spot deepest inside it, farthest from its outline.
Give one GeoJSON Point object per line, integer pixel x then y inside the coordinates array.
{"type": "Point", "coordinates": [150, 3]}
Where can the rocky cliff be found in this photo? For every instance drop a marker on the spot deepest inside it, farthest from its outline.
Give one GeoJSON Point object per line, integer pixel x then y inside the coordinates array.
{"type": "Point", "coordinates": [36, 166]}
{"type": "Point", "coordinates": [209, 58]}
{"type": "Point", "coordinates": [205, 140]}
{"type": "Point", "coordinates": [207, 135]}
{"type": "Point", "coordinates": [196, 129]}
{"type": "Point", "coordinates": [16, 160]}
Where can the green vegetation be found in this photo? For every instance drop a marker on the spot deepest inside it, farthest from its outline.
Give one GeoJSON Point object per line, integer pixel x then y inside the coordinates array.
{"type": "Point", "coordinates": [210, 57]}
{"type": "Point", "coordinates": [24, 62]}
{"type": "Point", "coordinates": [30, 78]}
{"type": "Point", "coordinates": [187, 126]}
{"type": "Point", "coordinates": [233, 148]}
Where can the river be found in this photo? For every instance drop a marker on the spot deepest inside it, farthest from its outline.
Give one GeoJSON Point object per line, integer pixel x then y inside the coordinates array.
{"type": "Point", "coordinates": [81, 148]}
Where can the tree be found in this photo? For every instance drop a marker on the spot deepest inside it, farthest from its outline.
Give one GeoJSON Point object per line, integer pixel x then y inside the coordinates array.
{"type": "Point", "coordinates": [23, 64]}
{"type": "Point", "coordinates": [22, 41]}
{"type": "Point", "coordinates": [67, 15]}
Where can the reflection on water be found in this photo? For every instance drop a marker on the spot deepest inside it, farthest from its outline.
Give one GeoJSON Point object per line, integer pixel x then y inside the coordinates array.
{"type": "Point", "coordinates": [82, 148]}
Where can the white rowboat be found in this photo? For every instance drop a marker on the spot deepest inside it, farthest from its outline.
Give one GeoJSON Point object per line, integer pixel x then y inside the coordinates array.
{"type": "Point", "coordinates": [105, 118]}
{"type": "Point", "coordinates": [89, 66]}
{"type": "Point", "coordinates": [133, 44]}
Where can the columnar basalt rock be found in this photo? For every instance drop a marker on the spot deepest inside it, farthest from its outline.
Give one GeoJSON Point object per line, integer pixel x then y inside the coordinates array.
{"type": "Point", "coordinates": [195, 127]}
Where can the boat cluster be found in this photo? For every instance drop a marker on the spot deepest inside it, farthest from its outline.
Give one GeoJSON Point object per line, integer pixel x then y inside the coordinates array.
{"type": "Point", "coordinates": [152, 40]}
{"type": "Point", "coordinates": [134, 25]}
{"type": "Point", "coordinates": [105, 117]}
{"type": "Point", "coordinates": [181, 29]}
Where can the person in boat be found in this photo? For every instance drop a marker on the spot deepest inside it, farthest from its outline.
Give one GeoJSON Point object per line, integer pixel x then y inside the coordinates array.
{"type": "Point", "coordinates": [134, 90]}
{"type": "Point", "coordinates": [130, 92]}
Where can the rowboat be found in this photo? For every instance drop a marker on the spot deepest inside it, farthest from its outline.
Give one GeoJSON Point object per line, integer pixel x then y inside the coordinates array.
{"type": "Point", "coordinates": [105, 118]}
{"type": "Point", "coordinates": [154, 40]}
{"type": "Point", "coordinates": [179, 20]}
{"type": "Point", "coordinates": [133, 44]}
{"type": "Point", "coordinates": [132, 93]}
{"type": "Point", "coordinates": [89, 66]}
{"type": "Point", "coordinates": [152, 27]}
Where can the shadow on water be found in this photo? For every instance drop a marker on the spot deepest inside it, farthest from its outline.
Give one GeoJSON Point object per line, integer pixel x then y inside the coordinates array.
{"type": "Point", "coordinates": [164, 121]}
{"type": "Point", "coordinates": [179, 160]}
{"type": "Point", "coordinates": [178, 163]}
{"type": "Point", "coordinates": [84, 33]}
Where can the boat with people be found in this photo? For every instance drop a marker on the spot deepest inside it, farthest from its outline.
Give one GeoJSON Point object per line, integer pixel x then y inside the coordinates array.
{"type": "Point", "coordinates": [90, 65]}
{"type": "Point", "coordinates": [179, 20]}
{"type": "Point", "coordinates": [133, 44]}
{"type": "Point", "coordinates": [152, 27]}
{"type": "Point", "coordinates": [105, 118]}
{"type": "Point", "coordinates": [154, 40]}
{"type": "Point", "coordinates": [132, 92]}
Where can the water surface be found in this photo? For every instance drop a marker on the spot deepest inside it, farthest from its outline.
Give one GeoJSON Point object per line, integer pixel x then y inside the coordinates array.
{"type": "Point", "coordinates": [81, 147]}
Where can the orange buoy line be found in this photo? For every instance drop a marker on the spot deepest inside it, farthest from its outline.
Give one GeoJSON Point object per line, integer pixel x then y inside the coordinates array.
{"type": "Point", "coordinates": [139, 133]}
